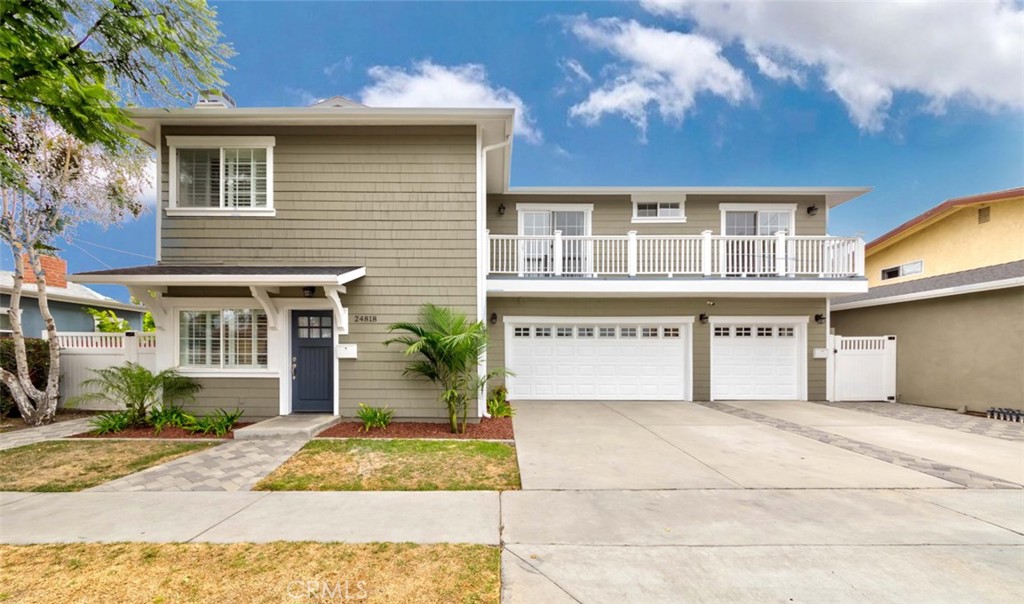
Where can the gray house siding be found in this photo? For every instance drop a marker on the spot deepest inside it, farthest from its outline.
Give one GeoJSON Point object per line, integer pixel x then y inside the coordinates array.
{"type": "Point", "coordinates": [613, 214]}
{"type": "Point", "coordinates": [567, 307]}
{"type": "Point", "coordinates": [257, 397]}
{"type": "Point", "coordinates": [68, 316]}
{"type": "Point", "coordinates": [400, 201]}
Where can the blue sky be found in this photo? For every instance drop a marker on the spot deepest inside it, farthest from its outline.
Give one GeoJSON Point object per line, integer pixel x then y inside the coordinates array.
{"type": "Point", "coordinates": [921, 103]}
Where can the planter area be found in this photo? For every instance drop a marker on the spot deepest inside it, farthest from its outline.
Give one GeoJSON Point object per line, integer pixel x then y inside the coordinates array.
{"type": "Point", "coordinates": [170, 433]}
{"type": "Point", "coordinates": [487, 429]}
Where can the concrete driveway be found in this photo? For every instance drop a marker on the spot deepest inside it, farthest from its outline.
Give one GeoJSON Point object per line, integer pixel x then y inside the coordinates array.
{"type": "Point", "coordinates": [758, 502]}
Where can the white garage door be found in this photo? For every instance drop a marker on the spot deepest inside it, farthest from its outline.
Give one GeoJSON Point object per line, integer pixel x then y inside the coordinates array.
{"type": "Point", "coordinates": [598, 359]}
{"type": "Point", "coordinates": [758, 361]}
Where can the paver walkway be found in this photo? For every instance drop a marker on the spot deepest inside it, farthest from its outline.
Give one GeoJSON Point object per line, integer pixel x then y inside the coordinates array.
{"type": "Point", "coordinates": [943, 418]}
{"type": "Point", "coordinates": [30, 436]}
{"type": "Point", "coordinates": [234, 466]}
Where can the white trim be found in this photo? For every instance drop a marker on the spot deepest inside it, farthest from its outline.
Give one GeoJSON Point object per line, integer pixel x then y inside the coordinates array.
{"type": "Point", "coordinates": [934, 293]}
{"type": "Point", "coordinates": [200, 372]}
{"type": "Point", "coordinates": [655, 199]}
{"type": "Point", "coordinates": [759, 207]}
{"type": "Point", "coordinates": [602, 320]}
{"type": "Point", "coordinates": [800, 324]}
{"type": "Point", "coordinates": [833, 195]}
{"type": "Point", "coordinates": [228, 280]}
{"type": "Point", "coordinates": [160, 192]}
{"type": "Point", "coordinates": [554, 207]}
{"type": "Point", "coordinates": [218, 142]}
{"type": "Point", "coordinates": [515, 287]}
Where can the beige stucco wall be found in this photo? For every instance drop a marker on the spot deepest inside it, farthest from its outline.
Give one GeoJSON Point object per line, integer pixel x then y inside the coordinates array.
{"type": "Point", "coordinates": [956, 243]}
{"type": "Point", "coordinates": [613, 214]}
{"type": "Point", "coordinates": [591, 307]}
{"type": "Point", "coordinates": [400, 201]}
{"type": "Point", "coordinates": [951, 351]}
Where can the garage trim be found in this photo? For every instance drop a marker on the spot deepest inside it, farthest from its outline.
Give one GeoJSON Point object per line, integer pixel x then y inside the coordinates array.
{"type": "Point", "coordinates": [798, 322]}
{"type": "Point", "coordinates": [686, 322]}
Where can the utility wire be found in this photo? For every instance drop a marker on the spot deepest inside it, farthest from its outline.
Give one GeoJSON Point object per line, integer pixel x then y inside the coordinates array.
{"type": "Point", "coordinates": [91, 255]}
{"type": "Point", "coordinates": [114, 249]}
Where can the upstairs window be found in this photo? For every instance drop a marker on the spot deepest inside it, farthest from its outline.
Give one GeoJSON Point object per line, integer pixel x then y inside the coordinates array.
{"type": "Point", "coordinates": [903, 270]}
{"type": "Point", "coordinates": [658, 211]}
{"type": "Point", "coordinates": [213, 175]}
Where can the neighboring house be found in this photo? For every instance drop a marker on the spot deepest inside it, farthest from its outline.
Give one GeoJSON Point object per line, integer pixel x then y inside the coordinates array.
{"type": "Point", "coordinates": [950, 285]}
{"type": "Point", "coordinates": [288, 240]}
{"type": "Point", "coordinates": [67, 301]}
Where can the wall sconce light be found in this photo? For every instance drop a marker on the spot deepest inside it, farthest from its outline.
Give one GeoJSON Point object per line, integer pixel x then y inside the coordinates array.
{"type": "Point", "coordinates": [812, 211]}
{"type": "Point", "coordinates": [703, 318]}
{"type": "Point", "coordinates": [501, 210]}
{"type": "Point", "coordinates": [308, 291]}
{"type": "Point", "coordinates": [819, 318]}
{"type": "Point", "coordinates": [494, 318]}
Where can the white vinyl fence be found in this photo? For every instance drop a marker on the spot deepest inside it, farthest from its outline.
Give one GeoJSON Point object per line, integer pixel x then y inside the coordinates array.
{"type": "Point", "coordinates": [82, 352]}
{"type": "Point", "coordinates": [864, 368]}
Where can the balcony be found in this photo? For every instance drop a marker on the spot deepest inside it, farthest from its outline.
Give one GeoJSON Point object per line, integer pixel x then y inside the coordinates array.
{"type": "Point", "coordinates": [627, 264]}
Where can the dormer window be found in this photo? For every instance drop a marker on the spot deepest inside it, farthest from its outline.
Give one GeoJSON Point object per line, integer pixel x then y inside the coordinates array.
{"type": "Point", "coordinates": [212, 175]}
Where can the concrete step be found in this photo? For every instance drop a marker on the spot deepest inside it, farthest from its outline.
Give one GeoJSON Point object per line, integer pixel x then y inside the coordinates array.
{"type": "Point", "coordinates": [305, 425]}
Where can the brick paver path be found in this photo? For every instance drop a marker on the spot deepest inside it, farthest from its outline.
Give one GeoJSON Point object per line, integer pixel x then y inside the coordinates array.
{"type": "Point", "coordinates": [236, 465]}
{"type": "Point", "coordinates": [961, 476]}
{"type": "Point", "coordinates": [30, 436]}
{"type": "Point", "coordinates": [943, 418]}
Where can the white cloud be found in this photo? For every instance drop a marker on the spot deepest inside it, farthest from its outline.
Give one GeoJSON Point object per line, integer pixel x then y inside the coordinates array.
{"type": "Point", "coordinates": [429, 85]}
{"type": "Point", "coordinates": [338, 67]}
{"type": "Point", "coordinates": [967, 52]}
{"type": "Point", "coordinates": [655, 68]}
{"type": "Point", "coordinates": [575, 70]}
{"type": "Point", "coordinates": [301, 96]}
{"type": "Point", "coordinates": [772, 68]}
{"type": "Point", "coordinates": [148, 197]}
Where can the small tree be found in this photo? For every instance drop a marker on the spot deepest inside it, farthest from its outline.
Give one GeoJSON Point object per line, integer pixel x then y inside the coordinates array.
{"type": "Point", "coordinates": [450, 347]}
{"type": "Point", "coordinates": [66, 182]}
{"type": "Point", "coordinates": [107, 321]}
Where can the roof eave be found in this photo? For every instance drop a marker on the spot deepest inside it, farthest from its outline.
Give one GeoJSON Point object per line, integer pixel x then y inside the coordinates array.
{"type": "Point", "coordinates": [834, 195]}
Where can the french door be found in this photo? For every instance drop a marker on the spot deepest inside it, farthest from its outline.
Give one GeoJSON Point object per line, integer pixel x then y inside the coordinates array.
{"type": "Point", "coordinates": [537, 255]}
{"type": "Point", "coordinates": [754, 256]}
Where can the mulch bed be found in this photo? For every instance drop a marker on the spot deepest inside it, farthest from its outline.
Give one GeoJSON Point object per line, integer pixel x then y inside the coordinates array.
{"type": "Point", "coordinates": [488, 428]}
{"type": "Point", "coordinates": [170, 433]}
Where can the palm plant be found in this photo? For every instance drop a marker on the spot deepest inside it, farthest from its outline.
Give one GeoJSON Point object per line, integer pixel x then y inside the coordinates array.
{"type": "Point", "coordinates": [139, 389]}
{"type": "Point", "coordinates": [450, 348]}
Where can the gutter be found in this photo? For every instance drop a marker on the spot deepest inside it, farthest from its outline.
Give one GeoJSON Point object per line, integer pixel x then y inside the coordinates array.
{"type": "Point", "coordinates": [481, 277]}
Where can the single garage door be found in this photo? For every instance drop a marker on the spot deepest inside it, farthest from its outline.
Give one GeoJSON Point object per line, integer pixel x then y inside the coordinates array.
{"type": "Point", "coordinates": [757, 361]}
{"type": "Point", "coordinates": [598, 359]}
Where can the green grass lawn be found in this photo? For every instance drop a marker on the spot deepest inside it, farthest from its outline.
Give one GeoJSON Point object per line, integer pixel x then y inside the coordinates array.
{"type": "Point", "coordinates": [199, 573]}
{"type": "Point", "coordinates": [63, 465]}
{"type": "Point", "coordinates": [397, 465]}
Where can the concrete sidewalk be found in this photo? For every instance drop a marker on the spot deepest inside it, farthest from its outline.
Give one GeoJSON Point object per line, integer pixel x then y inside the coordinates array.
{"type": "Point", "coordinates": [360, 517]}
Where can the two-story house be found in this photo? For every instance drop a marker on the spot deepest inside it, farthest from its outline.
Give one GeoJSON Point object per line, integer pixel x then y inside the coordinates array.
{"type": "Point", "coordinates": [949, 284]}
{"type": "Point", "coordinates": [289, 239]}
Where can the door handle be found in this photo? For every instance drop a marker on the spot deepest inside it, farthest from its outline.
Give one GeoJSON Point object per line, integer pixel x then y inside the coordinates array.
{"type": "Point", "coordinates": [295, 366]}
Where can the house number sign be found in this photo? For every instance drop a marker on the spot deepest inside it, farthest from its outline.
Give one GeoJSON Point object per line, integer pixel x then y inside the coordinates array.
{"type": "Point", "coordinates": [364, 318]}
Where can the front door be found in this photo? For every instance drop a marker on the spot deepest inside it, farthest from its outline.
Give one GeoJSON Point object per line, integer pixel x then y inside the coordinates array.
{"type": "Point", "coordinates": [313, 361]}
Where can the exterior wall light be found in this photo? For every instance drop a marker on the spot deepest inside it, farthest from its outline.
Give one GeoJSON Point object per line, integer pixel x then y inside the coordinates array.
{"type": "Point", "coordinates": [501, 210]}
{"type": "Point", "coordinates": [812, 211]}
{"type": "Point", "coordinates": [703, 318]}
{"type": "Point", "coordinates": [819, 318]}
{"type": "Point", "coordinates": [494, 318]}
{"type": "Point", "coordinates": [308, 291]}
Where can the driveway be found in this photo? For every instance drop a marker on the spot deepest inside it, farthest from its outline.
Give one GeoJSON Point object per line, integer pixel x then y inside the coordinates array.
{"type": "Point", "coordinates": [756, 502]}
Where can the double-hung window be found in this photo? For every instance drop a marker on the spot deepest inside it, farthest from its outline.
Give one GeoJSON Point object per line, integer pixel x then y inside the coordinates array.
{"type": "Point", "coordinates": [230, 338]}
{"type": "Point", "coordinates": [211, 175]}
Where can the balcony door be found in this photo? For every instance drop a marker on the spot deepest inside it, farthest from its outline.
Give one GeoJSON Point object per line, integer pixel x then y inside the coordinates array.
{"type": "Point", "coordinates": [756, 255]}
{"type": "Point", "coordinates": [537, 255]}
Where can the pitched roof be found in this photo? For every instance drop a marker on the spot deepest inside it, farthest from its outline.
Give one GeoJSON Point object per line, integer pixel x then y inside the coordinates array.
{"type": "Point", "coordinates": [74, 292]}
{"type": "Point", "coordinates": [985, 278]}
{"type": "Point", "coordinates": [944, 208]}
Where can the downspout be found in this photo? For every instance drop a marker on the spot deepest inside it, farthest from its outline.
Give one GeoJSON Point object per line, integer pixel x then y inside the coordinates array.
{"type": "Point", "coordinates": [482, 252]}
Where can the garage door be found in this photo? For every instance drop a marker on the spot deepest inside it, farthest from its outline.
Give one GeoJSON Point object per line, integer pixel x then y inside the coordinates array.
{"type": "Point", "coordinates": [598, 359]}
{"type": "Point", "coordinates": [758, 361]}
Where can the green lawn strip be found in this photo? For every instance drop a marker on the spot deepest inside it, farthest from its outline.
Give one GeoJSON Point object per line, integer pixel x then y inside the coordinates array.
{"type": "Point", "coordinates": [62, 465]}
{"type": "Point", "coordinates": [397, 465]}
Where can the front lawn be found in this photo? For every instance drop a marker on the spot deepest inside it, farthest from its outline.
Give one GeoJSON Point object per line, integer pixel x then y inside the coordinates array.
{"type": "Point", "coordinates": [270, 572]}
{"type": "Point", "coordinates": [397, 465]}
{"type": "Point", "coordinates": [62, 465]}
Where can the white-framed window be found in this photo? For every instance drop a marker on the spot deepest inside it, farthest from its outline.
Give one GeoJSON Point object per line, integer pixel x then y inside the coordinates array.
{"type": "Point", "coordinates": [584, 332]}
{"type": "Point", "coordinates": [758, 219]}
{"type": "Point", "coordinates": [649, 332]}
{"type": "Point", "coordinates": [722, 332]}
{"type": "Point", "coordinates": [658, 211]}
{"type": "Point", "coordinates": [903, 270]}
{"type": "Point", "coordinates": [670, 332]}
{"type": "Point", "coordinates": [607, 332]}
{"type": "Point", "coordinates": [543, 219]}
{"type": "Point", "coordinates": [542, 332]}
{"type": "Point", "coordinates": [627, 332]}
{"type": "Point", "coordinates": [522, 332]}
{"type": "Point", "coordinates": [5, 319]}
{"type": "Point", "coordinates": [216, 175]}
{"type": "Point", "coordinates": [563, 332]}
{"type": "Point", "coordinates": [229, 338]}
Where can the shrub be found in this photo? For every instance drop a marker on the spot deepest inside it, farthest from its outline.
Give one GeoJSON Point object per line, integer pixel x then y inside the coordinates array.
{"type": "Point", "coordinates": [107, 423]}
{"type": "Point", "coordinates": [220, 422]}
{"type": "Point", "coordinates": [374, 417]}
{"type": "Point", "coordinates": [498, 405]}
{"type": "Point", "coordinates": [168, 416]}
{"type": "Point", "coordinates": [139, 389]}
{"type": "Point", "coordinates": [38, 357]}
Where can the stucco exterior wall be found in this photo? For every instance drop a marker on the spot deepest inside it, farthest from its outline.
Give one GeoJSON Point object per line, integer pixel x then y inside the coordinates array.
{"type": "Point", "coordinates": [951, 351]}
{"type": "Point", "coordinates": [956, 243]}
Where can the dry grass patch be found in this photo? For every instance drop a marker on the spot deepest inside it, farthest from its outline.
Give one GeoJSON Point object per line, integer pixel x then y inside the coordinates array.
{"type": "Point", "coordinates": [397, 465]}
{"type": "Point", "coordinates": [243, 572]}
{"type": "Point", "coordinates": [75, 465]}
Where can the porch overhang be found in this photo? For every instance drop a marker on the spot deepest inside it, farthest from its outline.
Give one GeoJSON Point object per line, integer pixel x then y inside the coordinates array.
{"type": "Point", "coordinates": [162, 275]}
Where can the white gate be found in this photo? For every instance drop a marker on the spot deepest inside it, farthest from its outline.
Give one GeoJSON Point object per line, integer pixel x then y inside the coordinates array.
{"type": "Point", "coordinates": [864, 368]}
{"type": "Point", "coordinates": [82, 352]}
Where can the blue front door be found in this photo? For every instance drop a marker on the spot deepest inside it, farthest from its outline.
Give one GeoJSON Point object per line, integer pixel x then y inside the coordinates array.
{"type": "Point", "coordinates": [313, 361]}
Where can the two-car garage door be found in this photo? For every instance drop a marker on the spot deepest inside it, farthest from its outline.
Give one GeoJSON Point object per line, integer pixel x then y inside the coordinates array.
{"type": "Point", "coordinates": [650, 358]}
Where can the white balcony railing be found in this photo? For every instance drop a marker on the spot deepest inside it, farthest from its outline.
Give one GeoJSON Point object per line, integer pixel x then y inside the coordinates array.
{"type": "Point", "coordinates": [704, 255]}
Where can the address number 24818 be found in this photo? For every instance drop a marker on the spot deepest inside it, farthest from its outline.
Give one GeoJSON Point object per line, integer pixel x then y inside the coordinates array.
{"type": "Point", "coordinates": [364, 318]}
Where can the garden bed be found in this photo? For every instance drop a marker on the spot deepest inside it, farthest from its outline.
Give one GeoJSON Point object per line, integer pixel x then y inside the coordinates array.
{"type": "Point", "coordinates": [169, 432]}
{"type": "Point", "coordinates": [488, 429]}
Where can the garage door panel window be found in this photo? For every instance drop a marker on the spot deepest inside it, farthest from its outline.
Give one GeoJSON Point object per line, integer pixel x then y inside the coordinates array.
{"type": "Point", "coordinates": [584, 332]}
{"type": "Point", "coordinates": [627, 332]}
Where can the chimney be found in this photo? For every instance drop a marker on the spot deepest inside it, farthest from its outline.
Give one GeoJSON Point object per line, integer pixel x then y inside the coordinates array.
{"type": "Point", "coordinates": [55, 269]}
{"type": "Point", "coordinates": [214, 99]}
